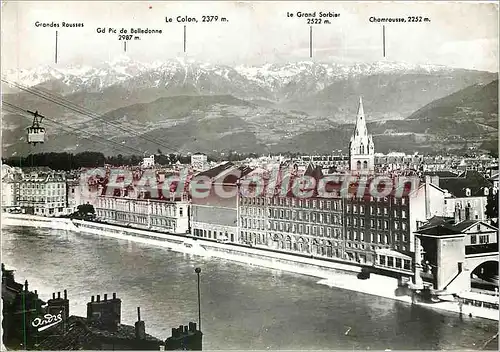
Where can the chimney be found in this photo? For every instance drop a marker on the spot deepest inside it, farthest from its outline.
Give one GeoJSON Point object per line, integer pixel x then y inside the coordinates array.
{"type": "Point", "coordinates": [114, 295]}
{"type": "Point", "coordinates": [26, 285]}
{"type": "Point", "coordinates": [92, 299]}
{"type": "Point", "coordinates": [105, 296]}
{"type": "Point", "coordinates": [468, 214]}
{"type": "Point", "coordinates": [427, 197]}
{"type": "Point", "coordinates": [59, 305]}
{"type": "Point", "coordinates": [98, 298]}
{"type": "Point", "coordinates": [140, 326]}
{"type": "Point", "coordinates": [457, 214]}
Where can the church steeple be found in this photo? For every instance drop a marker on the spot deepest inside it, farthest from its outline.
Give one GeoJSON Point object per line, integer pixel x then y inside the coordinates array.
{"type": "Point", "coordinates": [361, 148]}
{"type": "Point", "coordinates": [361, 112]}
{"type": "Point", "coordinates": [360, 129]}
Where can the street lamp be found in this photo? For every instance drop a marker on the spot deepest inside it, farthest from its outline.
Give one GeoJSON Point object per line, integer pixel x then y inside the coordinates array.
{"type": "Point", "coordinates": [198, 271]}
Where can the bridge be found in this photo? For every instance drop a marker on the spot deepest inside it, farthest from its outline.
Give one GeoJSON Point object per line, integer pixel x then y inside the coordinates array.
{"type": "Point", "coordinates": [473, 261]}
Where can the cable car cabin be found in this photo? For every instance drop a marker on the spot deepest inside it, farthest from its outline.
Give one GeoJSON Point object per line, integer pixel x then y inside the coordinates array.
{"type": "Point", "coordinates": [36, 135]}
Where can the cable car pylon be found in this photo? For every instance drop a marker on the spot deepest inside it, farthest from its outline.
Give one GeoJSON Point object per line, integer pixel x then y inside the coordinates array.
{"type": "Point", "coordinates": [36, 134]}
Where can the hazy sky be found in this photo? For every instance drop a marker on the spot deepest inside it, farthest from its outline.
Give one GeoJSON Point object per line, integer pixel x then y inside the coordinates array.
{"type": "Point", "coordinates": [460, 34]}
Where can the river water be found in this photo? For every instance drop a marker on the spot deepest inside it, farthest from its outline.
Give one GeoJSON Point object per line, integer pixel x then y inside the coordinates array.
{"type": "Point", "coordinates": [243, 307]}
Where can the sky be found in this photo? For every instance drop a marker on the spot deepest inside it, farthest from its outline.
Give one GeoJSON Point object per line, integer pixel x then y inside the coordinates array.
{"type": "Point", "coordinates": [460, 34]}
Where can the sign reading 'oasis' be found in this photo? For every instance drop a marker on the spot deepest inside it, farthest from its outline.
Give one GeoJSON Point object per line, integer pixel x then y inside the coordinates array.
{"type": "Point", "coordinates": [47, 321]}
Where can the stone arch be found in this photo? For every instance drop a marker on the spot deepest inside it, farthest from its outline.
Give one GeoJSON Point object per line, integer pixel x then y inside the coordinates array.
{"type": "Point", "coordinates": [484, 274]}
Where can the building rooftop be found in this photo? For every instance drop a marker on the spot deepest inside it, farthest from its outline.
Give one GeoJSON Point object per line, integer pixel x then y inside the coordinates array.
{"type": "Point", "coordinates": [471, 180]}
{"type": "Point", "coordinates": [80, 335]}
{"type": "Point", "coordinates": [439, 230]}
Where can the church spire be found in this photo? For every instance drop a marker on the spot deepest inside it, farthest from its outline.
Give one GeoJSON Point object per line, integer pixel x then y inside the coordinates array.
{"type": "Point", "coordinates": [361, 112]}
{"type": "Point", "coordinates": [360, 129]}
{"type": "Point", "coordinates": [361, 148]}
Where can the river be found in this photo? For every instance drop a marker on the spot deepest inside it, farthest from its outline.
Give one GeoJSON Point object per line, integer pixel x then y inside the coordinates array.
{"type": "Point", "coordinates": [243, 307]}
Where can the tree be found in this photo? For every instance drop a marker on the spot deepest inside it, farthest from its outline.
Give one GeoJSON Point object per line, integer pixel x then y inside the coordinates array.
{"type": "Point", "coordinates": [85, 209]}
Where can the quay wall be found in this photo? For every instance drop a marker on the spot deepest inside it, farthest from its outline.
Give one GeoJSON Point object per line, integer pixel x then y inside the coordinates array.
{"type": "Point", "coordinates": [331, 274]}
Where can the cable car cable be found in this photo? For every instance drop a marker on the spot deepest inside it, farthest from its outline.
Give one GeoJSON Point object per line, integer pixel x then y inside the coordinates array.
{"type": "Point", "coordinates": [15, 109]}
{"type": "Point", "coordinates": [106, 141]}
{"type": "Point", "coordinates": [81, 110]}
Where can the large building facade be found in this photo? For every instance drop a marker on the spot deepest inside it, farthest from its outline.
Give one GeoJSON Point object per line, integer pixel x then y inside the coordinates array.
{"type": "Point", "coordinates": [160, 215]}
{"type": "Point", "coordinates": [213, 216]}
{"type": "Point", "coordinates": [43, 193]}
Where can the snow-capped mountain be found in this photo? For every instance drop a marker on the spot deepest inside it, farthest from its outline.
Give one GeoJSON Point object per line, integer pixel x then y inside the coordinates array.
{"type": "Point", "coordinates": [269, 81]}
{"type": "Point", "coordinates": [198, 106]}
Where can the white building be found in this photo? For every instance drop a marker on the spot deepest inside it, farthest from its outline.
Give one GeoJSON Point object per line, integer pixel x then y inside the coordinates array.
{"type": "Point", "coordinates": [467, 193]}
{"type": "Point", "coordinates": [148, 161]}
{"type": "Point", "coordinates": [170, 216]}
{"type": "Point", "coordinates": [43, 193]}
{"type": "Point", "coordinates": [361, 148]}
{"type": "Point", "coordinates": [199, 162]}
{"type": "Point", "coordinates": [10, 187]}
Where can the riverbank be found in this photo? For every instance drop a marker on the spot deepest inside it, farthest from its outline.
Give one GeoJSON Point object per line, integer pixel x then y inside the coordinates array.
{"type": "Point", "coordinates": [332, 274]}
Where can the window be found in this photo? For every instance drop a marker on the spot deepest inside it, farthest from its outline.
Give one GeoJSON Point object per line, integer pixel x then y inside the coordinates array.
{"type": "Point", "coordinates": [382, 260]}
{"type": "Point", "coordinates": [390, 261]}
{"type": "Point", "coordinates": [403, 214]}
{"type": "Point", "coordinates": [473, 239]}
{"type": "Point", "coordinates": [483, 239]}
{"type": "Point", "coordinates": [398, 263]}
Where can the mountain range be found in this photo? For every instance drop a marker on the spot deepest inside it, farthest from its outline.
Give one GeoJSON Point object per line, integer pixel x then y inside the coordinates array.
{"type": "Point", "coordinates": [189, 106]}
